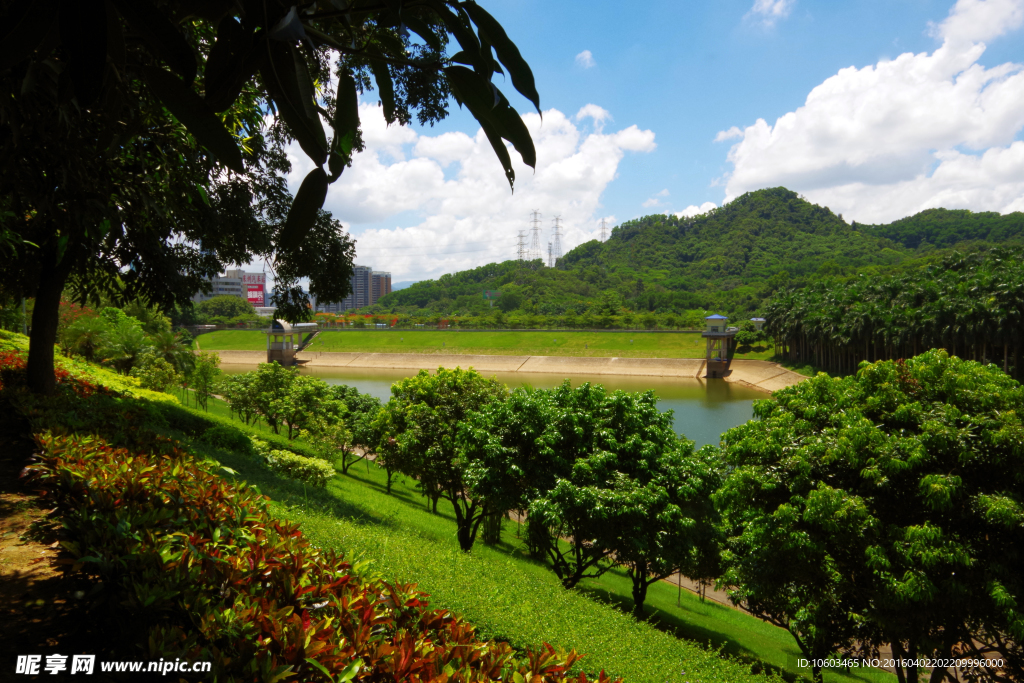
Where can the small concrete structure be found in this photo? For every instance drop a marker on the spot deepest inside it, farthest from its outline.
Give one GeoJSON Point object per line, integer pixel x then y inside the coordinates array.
{"type": "Point", "coordinates": [758, 323]}
{"type": "Point", "coordinates": [284, 339]}
{"type": "Point", "coordinates": [719, 336]}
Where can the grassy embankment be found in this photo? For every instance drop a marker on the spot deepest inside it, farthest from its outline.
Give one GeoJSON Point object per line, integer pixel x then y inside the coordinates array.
{"type": "Point", "coordinates": [510, 596]}
{"type": "Point", "coordinates": [487, 342]}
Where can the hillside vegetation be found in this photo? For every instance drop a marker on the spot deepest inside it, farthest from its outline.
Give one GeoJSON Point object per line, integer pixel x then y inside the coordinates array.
{"type": "Point", "coordinates": [728, 260]}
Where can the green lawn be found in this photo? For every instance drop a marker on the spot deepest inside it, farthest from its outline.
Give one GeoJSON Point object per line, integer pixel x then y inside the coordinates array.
{"type": "Point", "coordinates": [510, 596]}
{"type": "Point", "coordinates": [488, 342]}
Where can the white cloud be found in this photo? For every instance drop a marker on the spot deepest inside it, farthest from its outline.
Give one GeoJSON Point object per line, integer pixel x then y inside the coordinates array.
{"type": "Point", "coordinates": [890, 139]}
{"type": "Point", "coordinates": [693, 210]}
{"type": "Point", "coordinates": [656, 199]}
{"type": "Point", "coordinates": [770, 11]}
{"type": "Point", "coordinates": [733, 132]}
{"type": "Point", "coordinates": [972, 21]}
{"type": "Point", "coordinates": [598, 114]}
{"type": "Point", "coordinates": [468, 216]}
{"type": "Point", "coordinates": [585, 59]}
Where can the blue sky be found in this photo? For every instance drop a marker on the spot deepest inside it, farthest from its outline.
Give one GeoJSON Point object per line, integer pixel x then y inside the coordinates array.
{"type": "Point", "coordinates": [876, 109]}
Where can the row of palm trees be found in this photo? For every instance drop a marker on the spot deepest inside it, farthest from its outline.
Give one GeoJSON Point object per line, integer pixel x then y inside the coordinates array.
{"type": "Point", "coordinates": [972, 305]}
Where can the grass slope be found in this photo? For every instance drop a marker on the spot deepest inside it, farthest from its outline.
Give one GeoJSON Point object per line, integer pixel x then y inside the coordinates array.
{"type": "Point", "coordinates": [498, 343]}
{"type": "Point", "coordinates": [510, 596]}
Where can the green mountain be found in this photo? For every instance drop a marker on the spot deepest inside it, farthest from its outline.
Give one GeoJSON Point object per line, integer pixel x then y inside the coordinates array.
{"type": "Point", "coordinates": [947, 228]}
{"type": "Point", "coordinates": [729, 259]}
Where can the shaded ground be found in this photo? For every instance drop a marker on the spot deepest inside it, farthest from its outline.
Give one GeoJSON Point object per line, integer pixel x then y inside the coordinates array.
{"type": "Point", "coordinates": [42, 608]}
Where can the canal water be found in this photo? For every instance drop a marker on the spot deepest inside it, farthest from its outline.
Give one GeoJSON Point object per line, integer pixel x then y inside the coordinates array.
{"type": "Point", "coordinates": [702, 409]}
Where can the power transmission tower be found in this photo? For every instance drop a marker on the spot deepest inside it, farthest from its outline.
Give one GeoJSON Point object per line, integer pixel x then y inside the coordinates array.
{"type": "Point", "coordinates": [551, 261]}
{"type": "Point", "coordinates": [604, 230]}
{"type": "Point", "coordinates": [557, 241]}
{"type": "Point", "coordinates": [535, 252]}
{"type": "Point", "coordinates": [521, 245]}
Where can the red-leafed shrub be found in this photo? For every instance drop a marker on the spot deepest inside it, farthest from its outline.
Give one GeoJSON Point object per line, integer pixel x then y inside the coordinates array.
{"type": "Point", "coordinates": [200, 566]}
{"type": "Point", "coordinates": [12, 374]}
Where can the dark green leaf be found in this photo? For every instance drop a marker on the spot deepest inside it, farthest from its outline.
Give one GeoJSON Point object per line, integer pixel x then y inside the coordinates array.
{"type": "Point", "coordinates": [83, 33]}
{"type": "Point", "coordinates": [163, 38]}
{"type": "Point", "coordinates": [26, 30]}
{"type": "Point", "coordinates": [508, 53]}
{"type": "Point", "coordinates": [420, 28]}
{"type": "Point", "coordinates": [502, 151]}
{"type": "Point", "coordinates": [195, 115]}
{"type": "Point", "coordinates": [385, 86]}
{"type": "Point", "coordinates": [463, 33]}
{"type": "Point", "coordinates": [230, 64]}
{"type": "Point", "coordinates": [308, 201]}
{"type": "Point", "coordinates": [478, 95]}
{"type": "Point", "coordinates": [279, 75]}
{"type": "Point", "coordinates": [346, 124]}
{"type": "Point", "coordinates": [307, 93]}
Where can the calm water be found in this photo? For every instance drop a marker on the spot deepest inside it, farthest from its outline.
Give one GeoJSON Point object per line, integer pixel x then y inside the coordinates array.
{"type": "Point", "coordinates": [702, 409]}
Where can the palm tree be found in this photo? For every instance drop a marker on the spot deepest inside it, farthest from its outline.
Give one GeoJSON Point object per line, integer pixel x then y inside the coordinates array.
{"type": "Point", "coordinates": [86, 336]}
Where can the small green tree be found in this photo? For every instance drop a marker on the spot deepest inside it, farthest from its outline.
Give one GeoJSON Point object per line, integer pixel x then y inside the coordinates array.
{"type": "Point", "coordinates": [225, 307]}
{"type": "Point", "coordinates": [272, 385]}
{"type": "Point", "coordinates": [330, 440]}
{"type": "Point", "coordinates": [426, 411]}
{"type": "Point", "coordinates": [241, 393]}
{"type": "Point", "coordinates": [156, 374]}
{"type": "Point", "coordinates": [309, 401]}
{"type": "Point", "coordinates": [203, 377]}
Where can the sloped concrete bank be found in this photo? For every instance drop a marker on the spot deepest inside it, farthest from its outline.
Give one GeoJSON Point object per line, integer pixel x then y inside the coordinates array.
{"type": "Point", "coordinates": [758, 374]}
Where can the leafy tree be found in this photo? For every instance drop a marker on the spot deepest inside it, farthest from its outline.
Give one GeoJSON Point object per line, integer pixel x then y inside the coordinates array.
{"type": "Point", "coordinates": [425, 411]}
{"type": "Point", "coordinates": [140, 108]}
{"type": "Point", "coordinates": [156, 374]}
{"type": "Point", "coordinates": [225, 306]}
{"type": "Point", "coordinates": [272, 384]}
{"type": "Point", "coordinates": [242, 394]}
{"type": "Point", "coordinates": [330, 440]}
{"type": "Point", "coordinates": [665, 521]}
{"type": "Point", "coordinates": [308, 401]}
{"type": "Point", "coordinates": [510, 301]}
{"type": "Point", "coordinates": [362, 409]}
{"type": "Point", "coordinates": [203, 376]}
{"type": "Point", "coordinates": [884, 508]}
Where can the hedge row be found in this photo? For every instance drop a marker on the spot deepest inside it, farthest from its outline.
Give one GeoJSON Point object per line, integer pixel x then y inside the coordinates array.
{"type": "Point", "coordinates": [198, 569]}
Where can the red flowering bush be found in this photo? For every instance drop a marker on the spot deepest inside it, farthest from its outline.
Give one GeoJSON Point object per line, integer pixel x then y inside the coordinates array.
{"type": "Point", "coordinates": [200, 565]}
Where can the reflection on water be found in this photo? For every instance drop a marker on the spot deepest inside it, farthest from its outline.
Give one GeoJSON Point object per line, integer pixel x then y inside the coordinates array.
{"type": "Point", "coordinates": [702, 409]}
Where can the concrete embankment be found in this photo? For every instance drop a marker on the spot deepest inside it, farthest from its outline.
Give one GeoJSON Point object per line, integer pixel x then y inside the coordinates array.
{"type": "Point", "coordinates": [757, 374]}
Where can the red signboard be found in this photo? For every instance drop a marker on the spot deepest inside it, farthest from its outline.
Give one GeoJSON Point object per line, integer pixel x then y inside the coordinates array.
{"type": "Point", "coordinates": [254, 293]}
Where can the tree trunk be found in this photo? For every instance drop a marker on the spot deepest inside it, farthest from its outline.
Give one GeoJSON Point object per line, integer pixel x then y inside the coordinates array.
{"type": "Point", "coordinates": [492, 528]}
{"type": "Point", "coordinates": [45, 318]}
{"type": "Point", "coordinates": [639, 576]}
{"type": "Point", "coordinates": [390, 474]}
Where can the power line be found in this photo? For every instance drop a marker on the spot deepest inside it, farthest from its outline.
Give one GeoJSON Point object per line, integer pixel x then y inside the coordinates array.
{"type": "Point", "coordinates": [557, 242]}
{"type": "Point", "coordinates": [535, 252]}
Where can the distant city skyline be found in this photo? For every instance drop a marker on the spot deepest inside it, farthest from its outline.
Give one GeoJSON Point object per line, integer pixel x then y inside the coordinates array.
{"type": "Point", "coordinates": [875, 108]}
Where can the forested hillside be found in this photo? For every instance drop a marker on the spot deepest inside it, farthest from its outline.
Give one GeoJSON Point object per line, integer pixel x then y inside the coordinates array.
{"type": "Point", "coordinates": [946, 228]}
{"type": "Point", "coordinates": [729, 260]}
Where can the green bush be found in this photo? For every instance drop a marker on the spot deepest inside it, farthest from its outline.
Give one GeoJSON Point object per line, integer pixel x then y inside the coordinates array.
{"type": "Point", "coordinates": [229, 438]}
{"type": "Point", "coordinates": [310, 470]}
